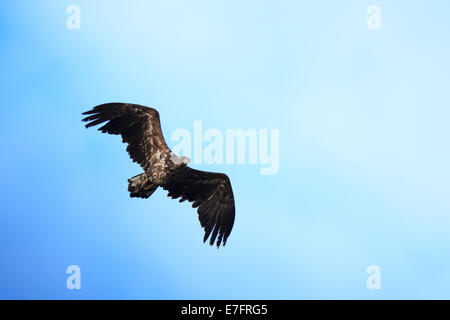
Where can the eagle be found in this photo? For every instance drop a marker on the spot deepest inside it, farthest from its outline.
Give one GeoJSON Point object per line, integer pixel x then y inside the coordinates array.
{"type": "Point", "coordinates": [140, 128]}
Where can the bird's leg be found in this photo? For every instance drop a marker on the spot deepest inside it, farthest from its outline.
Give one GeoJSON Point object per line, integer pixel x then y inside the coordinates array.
{"type": "Point", "coordinates": [147, 185]}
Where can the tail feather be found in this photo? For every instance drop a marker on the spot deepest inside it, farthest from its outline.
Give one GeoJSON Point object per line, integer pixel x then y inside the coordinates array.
{"type": "Point", "coordinates": [140, 187]}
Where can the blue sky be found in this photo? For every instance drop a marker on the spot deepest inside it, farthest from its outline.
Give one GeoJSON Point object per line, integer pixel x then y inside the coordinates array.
{"type": "Point", "coordinates": [363, 120]}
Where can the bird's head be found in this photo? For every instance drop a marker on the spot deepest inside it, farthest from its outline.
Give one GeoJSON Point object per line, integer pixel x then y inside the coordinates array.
{"type": "Point", "coordinates": [180, 161]}
{"type": "Point", "coordinates": [185, 160]}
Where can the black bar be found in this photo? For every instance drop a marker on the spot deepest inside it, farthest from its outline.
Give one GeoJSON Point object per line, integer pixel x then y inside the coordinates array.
{"type": "Point", "coordinates": [229, 309]}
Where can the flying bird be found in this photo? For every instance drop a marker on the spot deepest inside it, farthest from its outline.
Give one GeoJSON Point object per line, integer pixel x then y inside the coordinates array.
{"type": "Point", "coordinates": [140, 128]}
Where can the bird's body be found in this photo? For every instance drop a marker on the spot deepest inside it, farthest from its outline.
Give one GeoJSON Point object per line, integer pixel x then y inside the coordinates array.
{"type": "Point", "coordinates": [140, 128]}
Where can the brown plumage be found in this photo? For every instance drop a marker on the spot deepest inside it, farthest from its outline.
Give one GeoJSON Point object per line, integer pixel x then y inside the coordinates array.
{"type": "Point", "coordinates": [140, 128]}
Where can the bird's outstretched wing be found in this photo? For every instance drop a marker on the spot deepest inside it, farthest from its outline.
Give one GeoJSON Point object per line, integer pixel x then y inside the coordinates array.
{"type": "Point", "coordinates": [139, 126]}
{"type": "Point", "coordinates": [212, 194]}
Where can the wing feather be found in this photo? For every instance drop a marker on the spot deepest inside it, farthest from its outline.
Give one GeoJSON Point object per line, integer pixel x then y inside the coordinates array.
{"type": "Point", "coordinates": [212, 194]}
{"type": "Point", "coordinates": [138, 125]}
